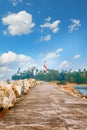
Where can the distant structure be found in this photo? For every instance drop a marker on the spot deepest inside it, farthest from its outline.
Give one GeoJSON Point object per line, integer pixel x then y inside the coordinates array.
{"type": "Point", "coordinates": [45, 66]}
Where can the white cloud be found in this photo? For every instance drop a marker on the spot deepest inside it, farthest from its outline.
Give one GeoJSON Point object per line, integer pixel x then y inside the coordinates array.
{"type": "Point", "coordinates": [75, 25]}
{"type": "Point", "coordinates": [59, 50]}
{"type": "Point", "coordinates": [54, 27]}
{"type": "Point", "coordinates": [65, 64]}
{"type": "Point", "coordinates": [46, 38]}
{"type": "Point", "coordinates": [76, 56]}
{"type": "Point", "coordinates": [48, 19]}
{"type": "Point", "coordinates": [11, 57]}
{"type": "Point", "coordinates": [16, 2]}
{"type": "Point", "coordinates": [54, 54]}
{"type": "Point", "coordinates": [18, 24]}
{"type": "Point", "coordinates": [6, 72]}
{"type": "Point", "coordinates": [7, 58]}
{"type": "Point", "coordinates": [10, 62]}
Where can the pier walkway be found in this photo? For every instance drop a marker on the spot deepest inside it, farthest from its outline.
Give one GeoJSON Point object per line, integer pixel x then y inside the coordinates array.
{"type": "Point", "coordinates": [46, 107]}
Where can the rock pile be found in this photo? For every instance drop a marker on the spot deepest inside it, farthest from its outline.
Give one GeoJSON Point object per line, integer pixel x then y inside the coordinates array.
{"type": "Point", "coordinates": [11, 91]}
{"type": "Point", "coordinates": [72, 91]}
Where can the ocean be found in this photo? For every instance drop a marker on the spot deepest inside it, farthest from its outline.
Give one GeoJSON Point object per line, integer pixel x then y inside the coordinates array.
{"type": "Point", "coordinates": [82, 89]}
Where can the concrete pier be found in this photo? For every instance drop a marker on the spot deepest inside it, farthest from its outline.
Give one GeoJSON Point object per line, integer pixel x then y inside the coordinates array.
{"type": "Point", "coordinates": [46, 107]}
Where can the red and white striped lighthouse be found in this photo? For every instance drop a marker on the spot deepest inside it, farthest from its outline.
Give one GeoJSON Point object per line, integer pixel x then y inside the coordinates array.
{"type": "Point", "coordinates": [45, 66]}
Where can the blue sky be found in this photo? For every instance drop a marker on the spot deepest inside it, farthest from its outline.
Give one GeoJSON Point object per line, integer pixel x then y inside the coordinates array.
{"type": "Point", "coordinates": [32, 31]}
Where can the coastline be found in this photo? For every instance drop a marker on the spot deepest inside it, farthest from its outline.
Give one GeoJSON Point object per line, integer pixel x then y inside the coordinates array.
{"type": "Point", "coordinates": [69, 88]}
{"type": "Point", "coordinates": [82, 85]}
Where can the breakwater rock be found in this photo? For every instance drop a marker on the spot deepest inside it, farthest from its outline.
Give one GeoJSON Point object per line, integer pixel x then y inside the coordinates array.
{"type": "Point", "coordinates": [12, 91]}
{"type": "Point", "coordinates": [69, 88]}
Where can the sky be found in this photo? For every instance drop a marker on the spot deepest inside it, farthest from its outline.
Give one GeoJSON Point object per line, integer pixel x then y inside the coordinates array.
{"type": "Point", "coordinates": [34, 31]}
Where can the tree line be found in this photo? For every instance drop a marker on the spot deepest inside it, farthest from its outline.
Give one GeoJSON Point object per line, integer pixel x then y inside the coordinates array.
{"type": "Point", "coordinates": [79, 77]}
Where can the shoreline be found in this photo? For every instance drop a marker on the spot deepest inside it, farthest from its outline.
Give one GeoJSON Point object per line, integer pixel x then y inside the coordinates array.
{"type": "Point", "coordinates": [82, 85]}
{"type": "Point", "coordinates": [69, 88]}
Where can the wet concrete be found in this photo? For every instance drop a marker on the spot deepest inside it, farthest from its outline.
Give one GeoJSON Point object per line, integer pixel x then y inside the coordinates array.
{"type": "Point", "coordinates": [46, 108]}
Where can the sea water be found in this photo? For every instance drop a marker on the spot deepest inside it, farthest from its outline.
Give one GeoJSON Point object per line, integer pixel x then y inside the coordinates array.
{"type": "Point", "coordinates": [82, 89]}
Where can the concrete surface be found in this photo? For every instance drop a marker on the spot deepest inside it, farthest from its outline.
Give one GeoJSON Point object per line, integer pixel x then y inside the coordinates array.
{"type": "Point", "coordinates": [46, 108]}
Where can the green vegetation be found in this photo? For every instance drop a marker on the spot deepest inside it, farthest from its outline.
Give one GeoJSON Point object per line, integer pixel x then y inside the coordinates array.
{"type": "Point", "coordinates": [79, 77]}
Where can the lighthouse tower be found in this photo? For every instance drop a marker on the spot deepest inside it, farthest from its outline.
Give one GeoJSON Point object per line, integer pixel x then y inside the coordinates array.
{"type": "Point", "coordinates": [45, 67]}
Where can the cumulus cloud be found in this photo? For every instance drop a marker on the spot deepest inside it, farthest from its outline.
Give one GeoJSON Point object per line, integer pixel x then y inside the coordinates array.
{"type": "Point", "coordinates": [10, 62]}
{"type": "Point", "coordinates": [75, 25]}
{"type": "Point", "coordinates": [18, 23]}
{"type": "Point", "coordinates": [11, 57]}
{"type": "Point", "coordinates": [46, 38]}
{"type": "Point", "coordinates": [54, 54]}
{"type": "Point", "coordinates": [64, 64]}
{"type": "Point", "coordinates": [7, 58]}
{"type": "Point", "coordinates": [76, 56]}
{"type": "Point", "coordinates": [54, 27]}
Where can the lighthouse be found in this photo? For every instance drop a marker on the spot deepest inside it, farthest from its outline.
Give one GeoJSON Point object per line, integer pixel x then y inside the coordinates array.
{"type": "Point", "coordinates": [45, 67]}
